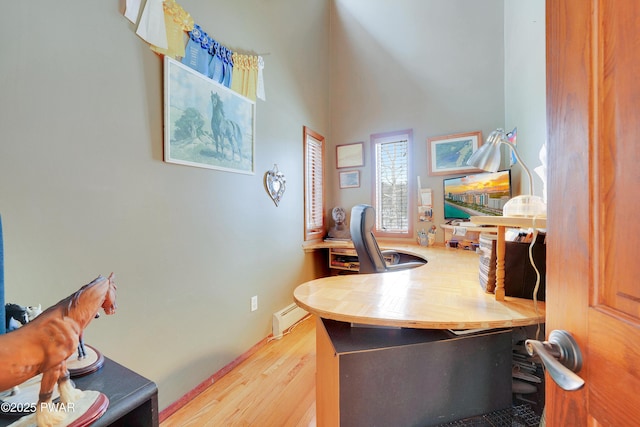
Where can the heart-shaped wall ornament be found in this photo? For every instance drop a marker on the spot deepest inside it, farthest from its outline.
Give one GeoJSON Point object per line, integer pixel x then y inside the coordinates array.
{"type": "Point", "coordinates": [275, 184]}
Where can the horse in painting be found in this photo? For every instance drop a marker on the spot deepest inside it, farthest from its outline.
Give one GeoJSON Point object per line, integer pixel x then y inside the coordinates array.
{"type": "Point", "coordinates": [43, 345]}
{"type": "Point", "coordinates": [223, 128]}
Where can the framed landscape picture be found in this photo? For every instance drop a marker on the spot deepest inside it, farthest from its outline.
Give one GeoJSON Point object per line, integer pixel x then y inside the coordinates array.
{"type": "Point", "coordinates": [349, 155]}
{"type": "Point", "coordinates": [350, 179]}
{"type": "Point", "coordinates": [206, 124]}
{"type": "Point", "coordinates": [449, 154]}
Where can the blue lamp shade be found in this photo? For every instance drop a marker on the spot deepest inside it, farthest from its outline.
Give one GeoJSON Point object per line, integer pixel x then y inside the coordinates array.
{"type": "Point", "coordinates": [488, 156]}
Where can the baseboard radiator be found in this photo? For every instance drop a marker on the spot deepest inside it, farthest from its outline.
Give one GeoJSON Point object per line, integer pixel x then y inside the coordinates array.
{"type": "Point", "coordinates": [286, 318]}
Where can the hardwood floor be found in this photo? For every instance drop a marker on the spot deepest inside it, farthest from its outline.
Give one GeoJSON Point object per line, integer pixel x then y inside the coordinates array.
{"type": "Point", "coordinates": [275, 386]}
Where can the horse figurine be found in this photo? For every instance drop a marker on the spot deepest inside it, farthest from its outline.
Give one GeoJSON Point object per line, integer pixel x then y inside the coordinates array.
{"type": "Point", "coordinates": [82, 352]}
{"type": "Point", "coordinates": [17, 315]}
{"type": "Point", "coordinates": [33, 311]}
{"type": "Point", "coordinates": [16, 312]}
{"type": "Point", "coordinates": [222, 128]}
{"type": "Point", "coordinates": [43, 345]}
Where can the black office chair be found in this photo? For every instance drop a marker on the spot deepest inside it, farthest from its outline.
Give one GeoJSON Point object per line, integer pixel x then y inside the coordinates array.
{"type": "Point", "coordinates": [370, 257]}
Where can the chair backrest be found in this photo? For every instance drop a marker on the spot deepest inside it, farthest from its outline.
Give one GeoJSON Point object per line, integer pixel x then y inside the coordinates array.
{"type": "Point", "coordinates": [369, 255]}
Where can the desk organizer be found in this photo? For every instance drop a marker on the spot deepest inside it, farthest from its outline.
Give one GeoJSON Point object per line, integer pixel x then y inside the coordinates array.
{"type": "Point", "coordinates": [520, 276]}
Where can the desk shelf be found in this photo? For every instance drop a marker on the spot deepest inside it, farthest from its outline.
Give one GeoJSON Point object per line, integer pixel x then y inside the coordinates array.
{"type": "Point", "coordinates": [344, 259]}
{"type": "Point", "coordinates": [511, 221]}
{"type": "Point", "coordinates": [472, 234]}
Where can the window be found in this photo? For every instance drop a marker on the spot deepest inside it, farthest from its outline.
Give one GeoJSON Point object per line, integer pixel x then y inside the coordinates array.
{"type": "Point", "coordinates": [313, 185]}
{"type": "Point", "coordinates": [392, 184]}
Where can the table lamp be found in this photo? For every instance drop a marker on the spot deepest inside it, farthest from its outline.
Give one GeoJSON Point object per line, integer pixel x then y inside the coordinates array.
{"type": "Point", "coordinates": [488, 157]}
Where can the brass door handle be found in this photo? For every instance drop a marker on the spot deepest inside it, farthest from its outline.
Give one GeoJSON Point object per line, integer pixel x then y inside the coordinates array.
{"type": "Point", "coordinates": [561, 357]}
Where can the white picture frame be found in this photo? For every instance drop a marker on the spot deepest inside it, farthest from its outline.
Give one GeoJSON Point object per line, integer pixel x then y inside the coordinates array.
{"type": "Point", "coordinates": [206, 124]}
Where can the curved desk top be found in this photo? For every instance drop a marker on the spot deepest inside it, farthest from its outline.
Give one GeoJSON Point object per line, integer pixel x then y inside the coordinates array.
{"type": "Point", "coordinates": [442, 294]}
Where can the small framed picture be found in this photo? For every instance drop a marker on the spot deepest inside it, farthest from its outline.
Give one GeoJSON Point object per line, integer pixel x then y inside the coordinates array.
{"type": "Point", "coordinates": [350, 179]}
{"type": "Point", "coordinates": [349, 155]}
{"type": "Point", "coordinates": [449, 154]}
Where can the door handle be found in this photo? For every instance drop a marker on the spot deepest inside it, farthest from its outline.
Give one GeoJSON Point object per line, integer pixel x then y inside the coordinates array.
{"type": "Point", "coordinates": [561, 357]}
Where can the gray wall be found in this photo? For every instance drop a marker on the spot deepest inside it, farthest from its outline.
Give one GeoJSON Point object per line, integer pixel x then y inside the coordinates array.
{"type": "Point", "coordinates": [525, 83]}
{"type": "Point", "coordinates": [438, 67]}
{"type": "Point", "coordinates": [84, 189]}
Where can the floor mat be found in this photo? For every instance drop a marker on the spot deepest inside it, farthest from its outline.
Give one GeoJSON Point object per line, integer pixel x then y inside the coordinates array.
{"type": "Point", "coordinates": [517, 416]}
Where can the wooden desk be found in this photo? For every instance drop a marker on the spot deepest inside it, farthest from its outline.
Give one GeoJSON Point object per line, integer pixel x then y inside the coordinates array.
{"type": "Point", "coordinates": [504, 222]}
{"type": "Point", "coordinates": [327, 244]}
{"type": "Point", "coordinates": [443, 294]}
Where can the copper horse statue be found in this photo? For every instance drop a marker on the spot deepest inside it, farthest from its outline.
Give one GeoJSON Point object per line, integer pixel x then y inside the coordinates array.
{"type": "Point", "coordinates": [44, 345]}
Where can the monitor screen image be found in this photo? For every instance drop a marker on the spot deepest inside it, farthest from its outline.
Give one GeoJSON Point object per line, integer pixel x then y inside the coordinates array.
{"type": "Point", "coordinates": [482, 193]}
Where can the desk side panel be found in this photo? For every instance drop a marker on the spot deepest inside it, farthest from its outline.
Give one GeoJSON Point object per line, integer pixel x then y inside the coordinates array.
{"type": "Point", "coordinates": [327, 379]}
{"type": "Point", "coordinates": [426, 384]}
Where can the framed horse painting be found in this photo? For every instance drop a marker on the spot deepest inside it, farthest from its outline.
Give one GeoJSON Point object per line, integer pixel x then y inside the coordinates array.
{"type": "Point", "coordinates": [206, 124]}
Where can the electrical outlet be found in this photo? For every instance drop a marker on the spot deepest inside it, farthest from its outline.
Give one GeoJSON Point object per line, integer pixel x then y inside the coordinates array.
{"type": "Point", "coordinates": [254, 303]}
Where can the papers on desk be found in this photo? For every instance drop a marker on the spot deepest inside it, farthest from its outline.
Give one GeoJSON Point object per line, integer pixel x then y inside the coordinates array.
{"type": "Point", "coordinates": [462, 332]}
{"type": "Point", "coordinates": [459, 231]}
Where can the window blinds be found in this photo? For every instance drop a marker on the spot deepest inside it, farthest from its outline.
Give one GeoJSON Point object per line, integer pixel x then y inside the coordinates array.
{"type": "Point", "coordinates": [392, 179]}
{"type": "Point", "coordinates": [314, 191]}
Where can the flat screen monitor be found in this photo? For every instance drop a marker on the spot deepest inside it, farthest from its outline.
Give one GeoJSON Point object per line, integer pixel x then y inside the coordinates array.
{"type": "Point", "coordinates": [482, 193]}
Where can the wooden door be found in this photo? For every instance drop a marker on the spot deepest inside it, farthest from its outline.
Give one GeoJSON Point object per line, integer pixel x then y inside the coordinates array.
{"type": "Point", "coordinates": [593, 271]}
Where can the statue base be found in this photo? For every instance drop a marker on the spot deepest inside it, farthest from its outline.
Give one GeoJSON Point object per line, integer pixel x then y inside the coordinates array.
{"type": "Point", "coordinates": [81, 413]}
{"type": "Point", "coordinates": [89, 364]}
{"type": "Point", "coordinates": [23, 401]}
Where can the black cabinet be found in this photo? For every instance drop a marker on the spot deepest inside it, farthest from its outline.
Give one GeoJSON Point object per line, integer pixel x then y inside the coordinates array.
{"type": "Point", "coordinates": [133, 399]}
{"type": "Point", "coordinates": [390, 376]}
